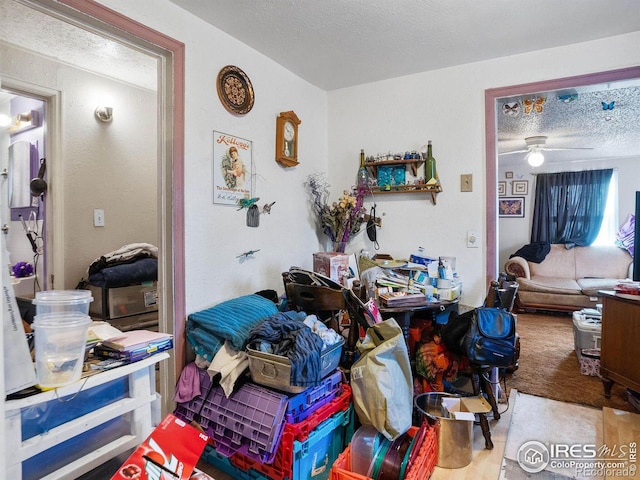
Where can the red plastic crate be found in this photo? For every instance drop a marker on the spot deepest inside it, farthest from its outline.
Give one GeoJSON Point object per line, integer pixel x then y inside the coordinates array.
{"type": "Point", "coordinates": [302, 429]}
{"type": "Point", "coordinates": [421, 469]}
{"type": "Point", "coordinates": [282, 465]}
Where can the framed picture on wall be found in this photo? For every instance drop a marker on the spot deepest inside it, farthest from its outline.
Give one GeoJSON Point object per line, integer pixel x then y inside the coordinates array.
{"type": "Point", "coordinates": [520, 187]}
{"type": "Point", "coordinates": [508, 174]}
{"type": "Point", "coordinates": [511, 207]}
{"type": "Point", "coordinates": [232, 168]}
{"type": "Point", "coordinates": [502, 189]}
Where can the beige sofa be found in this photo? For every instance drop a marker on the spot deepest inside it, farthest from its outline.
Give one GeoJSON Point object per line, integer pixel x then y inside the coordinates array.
{"type": "Point", "coordinates": [568, 279]}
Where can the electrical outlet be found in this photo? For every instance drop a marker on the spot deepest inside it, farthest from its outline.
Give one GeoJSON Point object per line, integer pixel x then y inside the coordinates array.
{"type": "Point", "coordinates": [473, 241]}
{"type": "Point", "coordinates": [98, 217]}
{"type": "Point", "coordinates": [466, 182]}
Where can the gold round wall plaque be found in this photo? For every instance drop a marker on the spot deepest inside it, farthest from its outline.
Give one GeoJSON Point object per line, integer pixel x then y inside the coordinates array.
{"type": "Point", "coordinates": [235, 90]}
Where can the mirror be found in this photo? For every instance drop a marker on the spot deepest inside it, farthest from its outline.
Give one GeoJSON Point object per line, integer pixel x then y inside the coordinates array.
{"type": "Point", "coordinates": [494, 98]}
{"type": "Point", "coordinates": [167, 56]}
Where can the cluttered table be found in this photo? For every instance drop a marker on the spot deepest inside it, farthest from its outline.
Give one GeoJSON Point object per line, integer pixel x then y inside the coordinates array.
{"type": "Point", "coordinates": [406, 288]}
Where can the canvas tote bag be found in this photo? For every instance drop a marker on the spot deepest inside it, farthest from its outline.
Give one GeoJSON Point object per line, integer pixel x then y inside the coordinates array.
{"type": "Point", "coordinates": [381, 380]}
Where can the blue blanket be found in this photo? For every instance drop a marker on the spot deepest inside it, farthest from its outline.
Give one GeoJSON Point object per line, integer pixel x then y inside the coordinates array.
{"type": "Point", "coordinates": [122, 275]}
{"type": "Point", "coordinates": [287, 335]}
{"type": "Point", "coordinates": [232, 320]}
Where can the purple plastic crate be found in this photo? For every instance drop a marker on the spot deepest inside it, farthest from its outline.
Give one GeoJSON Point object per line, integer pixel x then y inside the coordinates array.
{"type": "Point", "coordinates": [250, 421]}
{"type": "Point", "coordinates": [304, 404]}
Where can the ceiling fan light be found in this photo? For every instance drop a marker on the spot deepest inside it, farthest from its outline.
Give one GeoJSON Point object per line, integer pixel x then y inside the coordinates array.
{"type": "Point", "coordinates": [535, 159]}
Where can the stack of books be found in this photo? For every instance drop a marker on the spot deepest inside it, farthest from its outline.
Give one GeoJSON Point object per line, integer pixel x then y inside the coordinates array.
{"type": "Point", "coordinates": [134, 345]}
{"type": "Point", "coordinates": [403, 299]}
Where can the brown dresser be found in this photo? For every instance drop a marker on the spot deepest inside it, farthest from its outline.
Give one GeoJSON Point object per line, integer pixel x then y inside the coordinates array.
{"type": "Point", "coordinates": [619, 361]}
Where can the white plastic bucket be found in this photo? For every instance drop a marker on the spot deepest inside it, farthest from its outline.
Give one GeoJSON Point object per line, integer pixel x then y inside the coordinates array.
{"type": "Point", "coordinates": [60, 344]}
{"type": "Point", "coordinates": [61, 301]}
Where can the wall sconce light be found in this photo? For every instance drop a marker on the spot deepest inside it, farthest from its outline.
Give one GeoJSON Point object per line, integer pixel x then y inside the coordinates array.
{"type": "Point", "coordinates": [104, 114]}
{"type": "Point", "coordinates": [23, 121]}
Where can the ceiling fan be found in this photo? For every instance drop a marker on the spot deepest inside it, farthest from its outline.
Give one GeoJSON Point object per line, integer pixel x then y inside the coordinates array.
{"type": "Point", "coordinates": [535, 147]}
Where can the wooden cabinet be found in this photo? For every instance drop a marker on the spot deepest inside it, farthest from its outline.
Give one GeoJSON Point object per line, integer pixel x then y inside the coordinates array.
{"type": "Point", "coordinates": [619, 361]}
{"type": "Point", "coordinates": [412, 165]}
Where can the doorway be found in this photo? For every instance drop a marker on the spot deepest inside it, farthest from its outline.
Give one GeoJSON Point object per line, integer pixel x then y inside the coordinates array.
{"type": "Point", "coordinates": [491, 98]}
{"type": "Point", "coordinates": [170, 140]}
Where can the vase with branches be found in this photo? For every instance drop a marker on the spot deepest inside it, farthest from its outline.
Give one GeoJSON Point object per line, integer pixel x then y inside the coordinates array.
{"type": "Point", "coordinates": [340, 220]}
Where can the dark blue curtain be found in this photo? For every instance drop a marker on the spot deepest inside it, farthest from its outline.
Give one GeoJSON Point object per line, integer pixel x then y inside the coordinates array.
{"type": "Point", "coordinates": [569, 206]}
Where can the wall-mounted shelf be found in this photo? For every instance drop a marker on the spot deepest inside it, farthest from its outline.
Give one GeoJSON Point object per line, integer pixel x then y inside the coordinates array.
{"type": "Point", "coordinates": [413, 165]}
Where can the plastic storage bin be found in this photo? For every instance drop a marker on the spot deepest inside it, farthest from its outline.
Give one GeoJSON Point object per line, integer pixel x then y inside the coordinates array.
{"type": "Point", "coordinates": [283, 463]}
{"type": "Point", "coordinates": [62, 301]}
{"type": "Point", "coordinates": [60, 344]}
{"type": "Point", "coordinates": [421, 468]}
{"type": "Point", "coordinates": [303, 404]}
{"type": "Point", "coordinates": [308, 459]}
{"type": "Point", "coordinates": [120, 302]}
{"type": "Point", "coordinates": [587, 331]}
{"type": "Point", "coordinates": [250, 421]}
{"type": "Point", "coordinates": [275, 370]}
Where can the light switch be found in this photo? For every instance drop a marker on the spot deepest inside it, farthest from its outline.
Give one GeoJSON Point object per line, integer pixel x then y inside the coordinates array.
{"type": "Point", "coordinates": [98, 217]}
{"type": "Point", "coordinates": [466, 182]}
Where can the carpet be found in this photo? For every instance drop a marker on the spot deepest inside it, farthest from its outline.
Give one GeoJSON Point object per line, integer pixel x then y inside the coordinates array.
{"type": "Point", "coordinates": [549, 367]}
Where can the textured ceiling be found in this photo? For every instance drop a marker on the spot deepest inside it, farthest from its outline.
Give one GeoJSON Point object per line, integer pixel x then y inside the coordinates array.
{"type": "Point", "coordinates": [604, 120]}
{"type": "Point", "coordinates": [337, 43]}
{"type": "Point", "coordinates": [33, 30]}
{"type": "Point", "coordinates": [340, 43]}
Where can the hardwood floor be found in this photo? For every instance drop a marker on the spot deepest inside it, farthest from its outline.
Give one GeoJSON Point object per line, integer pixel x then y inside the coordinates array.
{"type": "Point", "coordinates": [527, 418]}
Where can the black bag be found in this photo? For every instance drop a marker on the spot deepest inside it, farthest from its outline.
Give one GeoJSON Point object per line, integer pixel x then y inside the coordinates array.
{"type": "Point", "coordinates": [454, 331]}
{"type": "Point", "coordinates": [491, 338]}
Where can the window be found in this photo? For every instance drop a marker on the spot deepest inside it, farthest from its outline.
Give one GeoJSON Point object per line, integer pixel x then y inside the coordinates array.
{"type": "Point", "coordinates": [609, 227]}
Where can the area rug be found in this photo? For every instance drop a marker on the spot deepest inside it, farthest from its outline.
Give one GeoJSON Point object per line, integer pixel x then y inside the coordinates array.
{"type": "Point", "coordinates": [549, 367]}
{"type": "Point", "coordinates": [537, 419]}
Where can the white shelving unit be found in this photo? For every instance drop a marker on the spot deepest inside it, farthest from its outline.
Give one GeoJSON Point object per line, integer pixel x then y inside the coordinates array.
{"type": "Point", "coordinates": [138, 413]}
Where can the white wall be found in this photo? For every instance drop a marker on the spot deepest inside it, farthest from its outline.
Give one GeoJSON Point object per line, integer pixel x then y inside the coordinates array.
{"type": "Point", "coordinates": [516, 232]}
{"type": "Point", "coordinates": [447, 107]}
{"type": "Point", "coordinates": [215, 234]}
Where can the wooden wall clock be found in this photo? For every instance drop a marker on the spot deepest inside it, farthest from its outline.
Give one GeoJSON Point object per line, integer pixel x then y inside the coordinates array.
{"type": "Point", "coordinates": [287, 139]}
{"type": "Point", "coordinates": [235, 90]}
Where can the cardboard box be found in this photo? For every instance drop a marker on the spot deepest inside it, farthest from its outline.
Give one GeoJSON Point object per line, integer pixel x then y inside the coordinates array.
{"type": "Point", "coordinates": [172, 450]}
{"type": "Point", "coordinates": [334, 265]}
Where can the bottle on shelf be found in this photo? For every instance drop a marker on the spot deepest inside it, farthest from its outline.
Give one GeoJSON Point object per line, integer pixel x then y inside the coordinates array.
{"type": "Point", "coordinates": [363, 174]}
{"type": "Point", "coordinates": [430, 173]}
{"type": "Point", "coordinates": [442, 271]}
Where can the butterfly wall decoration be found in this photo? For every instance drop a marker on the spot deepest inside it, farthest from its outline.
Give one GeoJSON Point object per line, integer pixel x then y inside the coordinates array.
{"type": "Point", "coordinates": [608, 106]}
{"type": "Point", "coordinates": [512, 109]}
{"type": "Point", "coordinates": [568, 98]}
{"type": "Point", "coordinates": [533, 104]}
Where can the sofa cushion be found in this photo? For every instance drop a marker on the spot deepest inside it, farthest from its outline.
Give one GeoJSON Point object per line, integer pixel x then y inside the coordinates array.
{"type": "Point", "coordinates": [591, 286]}
{"type": "Point", "coordinates": [602, 262]}
{"type": "Point", "coordinates": [566, 286]}
{"type": "Point", "coordinates": [559, 263]}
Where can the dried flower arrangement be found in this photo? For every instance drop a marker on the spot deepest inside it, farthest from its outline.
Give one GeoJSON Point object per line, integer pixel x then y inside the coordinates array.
{"type": "Point", "coordinates": [341, 220]}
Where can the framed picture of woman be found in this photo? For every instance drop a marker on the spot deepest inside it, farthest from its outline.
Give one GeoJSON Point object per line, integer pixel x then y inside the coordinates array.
{"type": "Point", "coordinates": [232, 168]}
